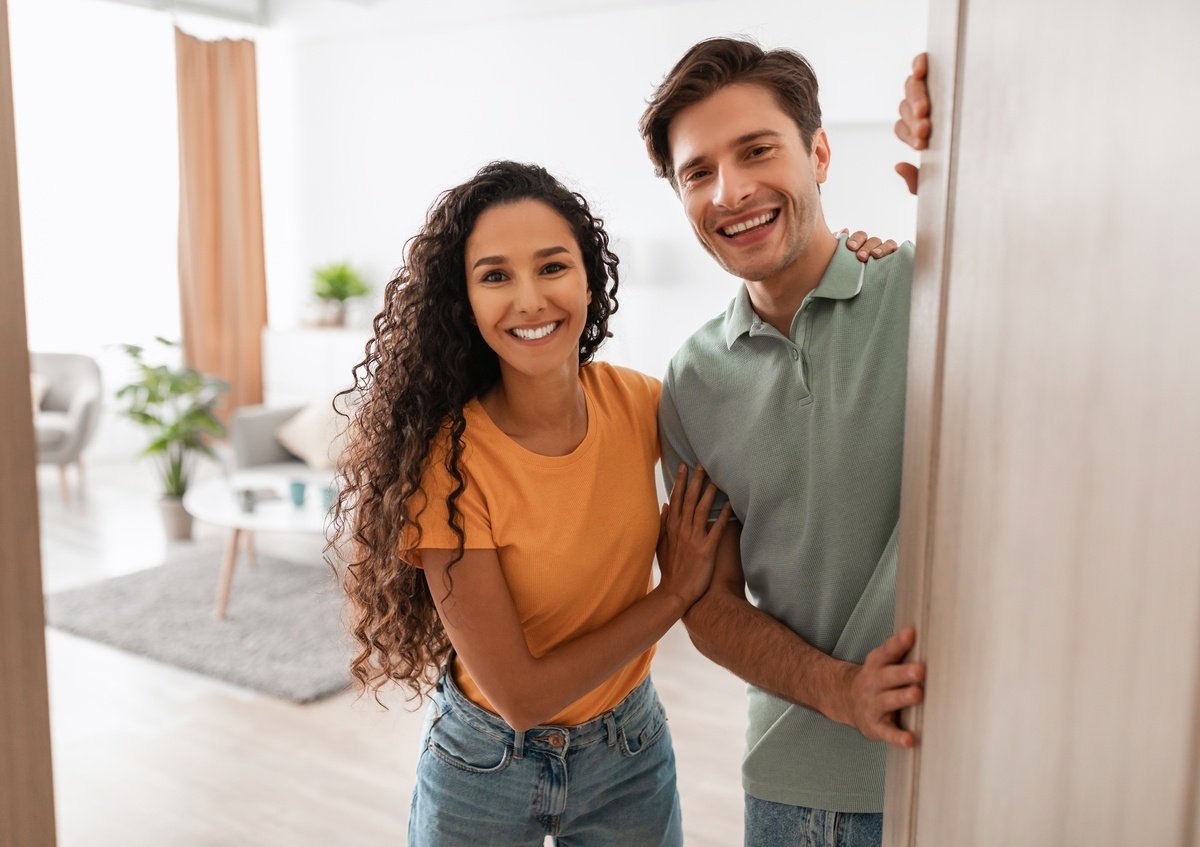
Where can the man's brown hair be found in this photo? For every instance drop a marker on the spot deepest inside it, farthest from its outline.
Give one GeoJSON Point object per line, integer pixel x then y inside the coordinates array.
{"type": "Point", "coordinates": [716, 62]}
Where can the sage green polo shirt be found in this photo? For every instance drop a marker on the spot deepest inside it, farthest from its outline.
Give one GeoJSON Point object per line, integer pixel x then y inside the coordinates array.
{"type": "Point", "coordinates": [803, 434]}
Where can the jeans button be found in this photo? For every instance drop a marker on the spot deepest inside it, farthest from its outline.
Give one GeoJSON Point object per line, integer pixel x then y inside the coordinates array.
{"type": "Point", "coordinates": [556, 740]}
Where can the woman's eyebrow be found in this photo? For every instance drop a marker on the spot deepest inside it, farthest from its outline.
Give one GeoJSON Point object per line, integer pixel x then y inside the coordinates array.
{"type": "Point", "coordinates": [500, 260]}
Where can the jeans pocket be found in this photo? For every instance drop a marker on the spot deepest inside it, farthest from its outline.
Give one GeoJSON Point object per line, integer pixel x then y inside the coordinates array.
{"type": "Point", "coordinates": [456, 744]}
{"type": "Point", "coordinates": [639, 736]}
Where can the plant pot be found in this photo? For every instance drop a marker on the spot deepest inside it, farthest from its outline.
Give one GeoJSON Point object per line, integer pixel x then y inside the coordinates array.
{"type": "Point", "coordinates": [331, 313]}
{"type": "Point", "coordinates": [177, 523]}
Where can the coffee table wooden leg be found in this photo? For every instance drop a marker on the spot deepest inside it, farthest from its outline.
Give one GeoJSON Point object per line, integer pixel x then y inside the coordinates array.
{"type": "Point", "coordinates": [251, 550]}
{"type": "Point", "coordinates": [226, 580]}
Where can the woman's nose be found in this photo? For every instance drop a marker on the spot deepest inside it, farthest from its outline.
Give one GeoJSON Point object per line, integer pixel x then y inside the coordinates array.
{"type": "Point", "coordinates": [527, 297]}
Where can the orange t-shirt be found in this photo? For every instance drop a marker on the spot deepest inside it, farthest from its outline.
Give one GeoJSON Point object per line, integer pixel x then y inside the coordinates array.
{"type": "Point", "coordinates": [575, 534]}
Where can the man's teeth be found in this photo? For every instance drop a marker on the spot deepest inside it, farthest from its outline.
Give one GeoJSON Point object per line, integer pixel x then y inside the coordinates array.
{"type": "Point", "coordinates": [764, 218]}
{"type": "Point", "coordinates": [534, 334]}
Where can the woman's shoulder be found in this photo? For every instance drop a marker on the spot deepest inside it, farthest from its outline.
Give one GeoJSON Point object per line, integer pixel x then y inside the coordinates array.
{"type": "Point", "coordinates": [607, 377]}
{"type": "Point", "coordinates": [624, 395]}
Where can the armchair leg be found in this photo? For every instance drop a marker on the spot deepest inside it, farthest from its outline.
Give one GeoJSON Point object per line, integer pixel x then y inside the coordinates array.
{"type": "Point", "coordinates": [63, 485]}
{"type": "Point", "coordinates": [79, 477]}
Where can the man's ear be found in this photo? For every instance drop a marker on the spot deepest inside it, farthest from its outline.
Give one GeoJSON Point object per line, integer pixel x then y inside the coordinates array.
{"type": "Point", "coordinates": [820, 155]}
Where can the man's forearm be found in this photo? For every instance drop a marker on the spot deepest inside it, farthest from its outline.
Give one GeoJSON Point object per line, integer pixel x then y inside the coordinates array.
{"type": "Point", "coordinates": [730, 631]}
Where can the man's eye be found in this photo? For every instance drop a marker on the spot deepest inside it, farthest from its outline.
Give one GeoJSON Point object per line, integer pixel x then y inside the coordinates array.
{"type": "Point", "coordinates": [758, 151]}
{"type": "Point", "coordinates": [694, 176]}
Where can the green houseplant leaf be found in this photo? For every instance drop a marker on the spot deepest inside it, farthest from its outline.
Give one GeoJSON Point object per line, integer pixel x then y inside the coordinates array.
{"type": "Point", "coordinates": [175, 406]}
{"type": "Point", "coordinates": [338, 282]}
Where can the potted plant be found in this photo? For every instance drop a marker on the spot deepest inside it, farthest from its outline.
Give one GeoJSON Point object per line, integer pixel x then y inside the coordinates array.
{"type": "Point", "coordinates": [176, 406]}
{"type": "Point", "coordinates": [333, 285]}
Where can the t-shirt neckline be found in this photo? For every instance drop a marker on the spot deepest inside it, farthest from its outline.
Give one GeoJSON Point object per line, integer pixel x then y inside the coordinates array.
{"type": "Point", "coordinates": [477, 416]}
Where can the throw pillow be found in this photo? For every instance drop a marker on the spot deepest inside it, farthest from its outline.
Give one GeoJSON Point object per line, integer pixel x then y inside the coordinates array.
{"type": "Point", "coordinates": [315, 434]}
{"type": "Point", "coordinates": [38, 386]}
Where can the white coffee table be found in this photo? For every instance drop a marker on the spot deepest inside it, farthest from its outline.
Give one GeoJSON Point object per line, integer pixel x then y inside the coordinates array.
{"type": "Point", "coordinates": [217, 501]}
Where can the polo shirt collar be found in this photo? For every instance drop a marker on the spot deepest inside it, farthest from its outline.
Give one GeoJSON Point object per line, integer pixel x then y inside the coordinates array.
{"type": "Point", "coordinates": [842, 280]}
{"type": "Point", "coordinates": [739, 317]}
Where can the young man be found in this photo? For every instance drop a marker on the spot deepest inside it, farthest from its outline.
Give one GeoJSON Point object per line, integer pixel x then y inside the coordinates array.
{"type": "Point", "coordinates": [793, 402]}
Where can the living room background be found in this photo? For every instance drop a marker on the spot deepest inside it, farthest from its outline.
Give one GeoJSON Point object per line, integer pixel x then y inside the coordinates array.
{"type": "Point", "coordinates": [367, 112]}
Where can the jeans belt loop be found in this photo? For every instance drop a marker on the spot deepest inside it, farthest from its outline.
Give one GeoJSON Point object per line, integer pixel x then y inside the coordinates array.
{"type": "Point", "coordinates": [610, 725]}
{"type": "Point", "coordinates": [518, 744]}
{"type": "Point", "coordinates": [447, 669]}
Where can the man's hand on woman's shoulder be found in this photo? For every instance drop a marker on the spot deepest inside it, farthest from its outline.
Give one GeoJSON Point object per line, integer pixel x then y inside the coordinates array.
{"type": "Point", "coordinates": [868, 246]}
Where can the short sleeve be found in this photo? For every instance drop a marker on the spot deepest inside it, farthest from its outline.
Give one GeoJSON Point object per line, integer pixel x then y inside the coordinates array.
{"type": "Point", "coordinates": [631, 397]}
{"type": "Point", "coordinates": [675, 446]}
{"type": "Point", "coordinates": [650, 395]}
{"type": "Point", "coordinates": [432, 515]}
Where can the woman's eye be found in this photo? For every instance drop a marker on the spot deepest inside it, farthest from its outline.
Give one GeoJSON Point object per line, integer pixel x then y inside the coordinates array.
{"type": "Point", "coordinates": [554, 268]}
{"type": "Point", "coordinates": [493, 276]}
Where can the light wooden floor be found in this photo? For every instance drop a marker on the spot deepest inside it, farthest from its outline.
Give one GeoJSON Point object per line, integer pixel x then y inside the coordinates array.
{"type": "Point", "coordinates": [147, 754]}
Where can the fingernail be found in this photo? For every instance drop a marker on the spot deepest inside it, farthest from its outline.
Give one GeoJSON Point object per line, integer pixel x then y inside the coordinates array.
{"type": "Point", "coordinates": [853, 245]}
{"type": "Point", "coordinates": [876, 251]}
{"type": "Point", "coordinates": [862, 254]}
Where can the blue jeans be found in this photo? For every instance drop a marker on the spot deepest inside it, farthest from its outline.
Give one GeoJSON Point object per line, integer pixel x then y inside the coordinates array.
{"type": "Point", "coordinates": [604, 783]}
{"type": "Point", "coordinates": [779, 825]}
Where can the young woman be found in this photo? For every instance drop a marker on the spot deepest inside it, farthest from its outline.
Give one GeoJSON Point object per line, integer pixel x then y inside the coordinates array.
{"type": "Point", "coordinates": [499, 502]}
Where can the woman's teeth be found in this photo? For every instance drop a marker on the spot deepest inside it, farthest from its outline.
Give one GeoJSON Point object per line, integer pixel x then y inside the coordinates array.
{"type": "Point", "coordinates": [535, 333]}
{"type": "Point", "coordinates": [765, 218]}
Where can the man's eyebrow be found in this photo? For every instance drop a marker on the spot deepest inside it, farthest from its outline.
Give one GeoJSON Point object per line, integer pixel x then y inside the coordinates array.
{"type": "Point", "coordinates": [540, 254]}
{"type": "Point", "coordinates": [737, 142]}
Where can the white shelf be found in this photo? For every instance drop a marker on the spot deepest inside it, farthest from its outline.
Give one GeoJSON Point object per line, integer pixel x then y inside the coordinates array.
{"type": "Point", "coordinates": [306, 364]}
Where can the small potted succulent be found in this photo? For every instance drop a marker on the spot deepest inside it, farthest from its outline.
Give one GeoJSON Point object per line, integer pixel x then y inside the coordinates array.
{"type": "Point", "coordinates": [333, 285]}
{"type": "Point", "coordinates": [176, 407]}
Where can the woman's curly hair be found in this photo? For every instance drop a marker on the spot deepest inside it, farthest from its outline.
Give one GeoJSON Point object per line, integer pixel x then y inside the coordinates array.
{"type": "Point", "coordinates": [425, 361]}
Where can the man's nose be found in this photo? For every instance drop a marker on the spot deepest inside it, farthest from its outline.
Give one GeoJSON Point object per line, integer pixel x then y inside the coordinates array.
{"type": "Point", "coordinates": [733, 187]}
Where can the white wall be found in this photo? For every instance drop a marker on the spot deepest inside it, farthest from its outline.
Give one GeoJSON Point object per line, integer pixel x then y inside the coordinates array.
{"type": "Point", "coordinates": [390, 111]}
{"type": "Point", "coordinates": [94, 104]}
{"type": "Point", "coordinates": [367, 112]}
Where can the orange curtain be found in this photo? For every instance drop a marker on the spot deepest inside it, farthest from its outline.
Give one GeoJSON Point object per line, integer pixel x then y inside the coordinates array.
{"type": "Point", "coordinates": [222, 281]}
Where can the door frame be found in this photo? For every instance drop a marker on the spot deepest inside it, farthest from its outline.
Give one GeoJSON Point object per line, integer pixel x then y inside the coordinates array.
{"type": "Point", "coordinates": [26, 778]}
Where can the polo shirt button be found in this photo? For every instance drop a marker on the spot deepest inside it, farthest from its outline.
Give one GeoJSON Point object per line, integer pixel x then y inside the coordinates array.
{"type": "Point", "coordinates": [795, 355]}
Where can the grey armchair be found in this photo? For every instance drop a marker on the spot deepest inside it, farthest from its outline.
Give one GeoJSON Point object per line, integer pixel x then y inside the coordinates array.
{"type": "Point", "coordinates": [66, 419]}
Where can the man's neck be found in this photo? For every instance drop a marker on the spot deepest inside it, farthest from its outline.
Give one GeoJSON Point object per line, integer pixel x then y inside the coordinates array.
{"type": "Point", "coordinates": [776, 300]}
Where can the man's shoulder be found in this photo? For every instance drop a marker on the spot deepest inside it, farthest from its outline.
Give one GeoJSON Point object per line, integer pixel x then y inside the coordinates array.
{"type": "Point", "coordinates": [701, 349]}
{"type": "Point", "coordinates": [895, 269]}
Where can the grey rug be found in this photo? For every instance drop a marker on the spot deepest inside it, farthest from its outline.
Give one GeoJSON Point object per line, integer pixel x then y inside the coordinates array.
{"type": "Point", "coordinates": [283, 634]}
